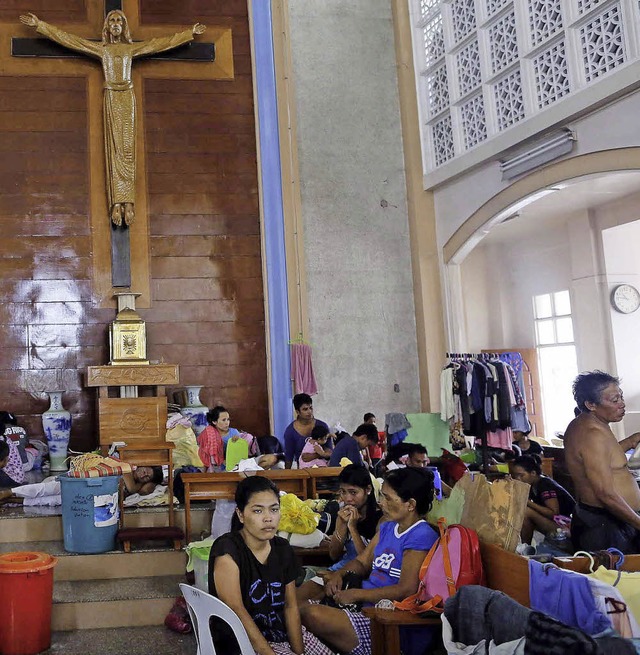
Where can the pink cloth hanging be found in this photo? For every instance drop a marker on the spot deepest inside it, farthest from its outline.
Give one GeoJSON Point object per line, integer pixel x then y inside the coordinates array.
{"type": "Point", "coordinates": [302, 369]}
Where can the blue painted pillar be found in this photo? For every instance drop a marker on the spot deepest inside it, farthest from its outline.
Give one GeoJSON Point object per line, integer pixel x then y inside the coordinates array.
{"type": "Point", "coordinates": [272, 209]}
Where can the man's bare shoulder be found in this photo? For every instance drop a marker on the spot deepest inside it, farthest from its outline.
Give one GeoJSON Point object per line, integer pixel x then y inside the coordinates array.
{"type": "Point", "coordinates": [585, 432]}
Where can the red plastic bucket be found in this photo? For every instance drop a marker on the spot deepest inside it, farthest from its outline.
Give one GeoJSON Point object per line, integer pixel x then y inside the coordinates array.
{"type": "Point", "coordinates": [26, 596]}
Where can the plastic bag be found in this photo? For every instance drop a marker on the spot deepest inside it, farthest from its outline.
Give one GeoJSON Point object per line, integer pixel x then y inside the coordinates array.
{"type": "Point", "coordinates": [185, 452]}
{"type": "Point", "coordinates": [295, 516]}
{"type": "Point", "coordinates": [222, 517]}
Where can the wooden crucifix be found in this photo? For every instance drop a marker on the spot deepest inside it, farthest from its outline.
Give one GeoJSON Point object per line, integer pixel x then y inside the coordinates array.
{"type": "Point", "coordinates": [116, 52]}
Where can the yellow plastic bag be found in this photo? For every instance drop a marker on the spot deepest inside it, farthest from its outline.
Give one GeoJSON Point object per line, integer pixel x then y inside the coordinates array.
{"type": "Point", "coordinates": [186, 451]}
{"type": "Point", "coordinates": [295, 516]}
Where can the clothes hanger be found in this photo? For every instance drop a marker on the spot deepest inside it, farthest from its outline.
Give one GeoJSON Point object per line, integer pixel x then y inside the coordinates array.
{"type": "Point", "coordinates": [298, 340]}
{"type": "Point", "coordinates": [584, 553]}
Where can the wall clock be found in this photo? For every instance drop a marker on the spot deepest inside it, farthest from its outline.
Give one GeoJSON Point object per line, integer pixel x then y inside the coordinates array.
{"type": "Point", "coordinates": [625, 298]}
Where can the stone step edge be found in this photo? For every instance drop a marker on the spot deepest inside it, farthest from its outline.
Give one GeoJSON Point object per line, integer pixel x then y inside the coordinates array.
{"type": "Point", "coordinates": [109, 614]}
{"type": "Point", "coordinates": [49, 528]}
{"type": "Point", "coordinates": [116, 589]}
{"type": "Point", "coordinates": [114, 565]}
{"type": "Point", "coordinates": [129, 512]}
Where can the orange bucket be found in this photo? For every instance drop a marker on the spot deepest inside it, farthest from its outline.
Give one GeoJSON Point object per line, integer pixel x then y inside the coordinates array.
{"type": "Point", "coordinates": [26, 597]}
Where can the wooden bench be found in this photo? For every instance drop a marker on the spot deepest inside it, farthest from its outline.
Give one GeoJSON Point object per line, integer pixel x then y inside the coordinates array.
{"type": "Point", "coordinates": [504, 571]}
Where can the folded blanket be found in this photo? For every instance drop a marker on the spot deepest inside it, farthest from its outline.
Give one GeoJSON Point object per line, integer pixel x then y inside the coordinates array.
{"type": "Point", "coordinates": [91, 465]}
{"type": "Point", "coordinates": [159, 496]}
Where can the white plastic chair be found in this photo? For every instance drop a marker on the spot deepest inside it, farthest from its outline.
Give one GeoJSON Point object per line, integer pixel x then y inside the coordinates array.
{"type": "Point", "coordinates": [202, 606]}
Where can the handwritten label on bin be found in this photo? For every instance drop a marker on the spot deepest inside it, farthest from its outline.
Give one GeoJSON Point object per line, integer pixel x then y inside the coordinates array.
{"type": "Point", "coordinates": [82, 506]}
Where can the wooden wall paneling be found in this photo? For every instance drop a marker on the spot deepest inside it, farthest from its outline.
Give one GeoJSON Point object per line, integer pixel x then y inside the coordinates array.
{"type": "Point", "coordinates": [200, 229]}
{"type": "Point", "coordinates": [205, 227]}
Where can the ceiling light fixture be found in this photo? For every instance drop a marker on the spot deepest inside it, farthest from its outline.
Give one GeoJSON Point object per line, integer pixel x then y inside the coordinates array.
{"type": "Point", "coordinates": [543, 151]}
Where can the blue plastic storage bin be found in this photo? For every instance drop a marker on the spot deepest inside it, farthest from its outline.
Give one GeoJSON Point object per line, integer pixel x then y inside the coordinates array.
{"type": "Point", "coordinates": [89, 513]}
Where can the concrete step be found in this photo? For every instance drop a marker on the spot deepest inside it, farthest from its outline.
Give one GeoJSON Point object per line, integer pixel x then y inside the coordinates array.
{"type": "Point", "coordinates": [124, 641]}
{"type": "Point", "coordinates": [45, 523]}
{"type": "Point", "coordinates": [140, 563]}
{"type": "Point", "coordinates": [130, 602]}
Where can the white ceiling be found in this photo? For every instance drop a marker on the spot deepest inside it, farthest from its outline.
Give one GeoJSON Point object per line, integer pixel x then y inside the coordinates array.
{"type": "Point", "coordinates": [573, 195]}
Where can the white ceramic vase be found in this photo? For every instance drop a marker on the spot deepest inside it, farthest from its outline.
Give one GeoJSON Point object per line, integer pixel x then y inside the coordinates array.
{"type": "Point", "coordinates": [56, 422]}
{"type": "Point", "coordinates": [194, 410]}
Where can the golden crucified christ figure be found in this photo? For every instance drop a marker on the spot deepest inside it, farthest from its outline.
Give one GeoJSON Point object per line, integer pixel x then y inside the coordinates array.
{"type": "Point", "coordinates": [116, 51]}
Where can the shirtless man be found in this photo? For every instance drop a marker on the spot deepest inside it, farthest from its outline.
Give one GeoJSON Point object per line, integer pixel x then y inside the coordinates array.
{"type": "Point", "coordinates": [607, 514]}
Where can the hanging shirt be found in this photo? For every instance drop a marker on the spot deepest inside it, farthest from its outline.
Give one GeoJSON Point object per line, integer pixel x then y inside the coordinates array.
{"type": "Point", "coordinates": [446, 393]}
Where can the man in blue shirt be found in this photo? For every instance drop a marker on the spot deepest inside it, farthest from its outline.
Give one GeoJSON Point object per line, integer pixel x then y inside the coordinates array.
{"type": "Point", "coordinates": [365, 435]}
{"type": "Point", "coordinates": [298, 431]}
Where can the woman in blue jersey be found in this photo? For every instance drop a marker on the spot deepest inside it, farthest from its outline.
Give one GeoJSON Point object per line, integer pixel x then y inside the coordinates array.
{"type": "Point", "coordinates": [390, 564]}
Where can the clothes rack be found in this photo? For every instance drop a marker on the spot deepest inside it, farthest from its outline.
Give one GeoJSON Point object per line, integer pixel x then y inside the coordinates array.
{"type": "Point", "coordinates": [484, 398]}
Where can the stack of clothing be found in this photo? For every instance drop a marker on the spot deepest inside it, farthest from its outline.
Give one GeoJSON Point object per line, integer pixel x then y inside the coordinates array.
{"type": "Point", "coordinates": [478, 620]}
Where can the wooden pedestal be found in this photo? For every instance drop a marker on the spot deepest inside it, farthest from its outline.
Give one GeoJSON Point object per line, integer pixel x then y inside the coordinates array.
{"type": "Point", "coordinates": [132, 419]}
{"type": "Point", "coordinates": [141, 424]}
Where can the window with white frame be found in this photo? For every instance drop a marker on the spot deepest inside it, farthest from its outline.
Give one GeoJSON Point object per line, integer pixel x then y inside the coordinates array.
{"type": "Point", "coordinates": [485, 66]}
{"type": "Point", "coordinates": [557, 358]}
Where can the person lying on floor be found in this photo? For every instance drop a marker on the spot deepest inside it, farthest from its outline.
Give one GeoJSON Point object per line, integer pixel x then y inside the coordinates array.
{"type": "Point", "coordinates": [143, 481]}
{"type": "Point", "coordinates": [253, 571]}
{"type": "Point", "coordinates": [390, 566]}
{"type": "Point", "coordinates": [356, 525]}
{"type": "Point", "coordinates": [550, 505]}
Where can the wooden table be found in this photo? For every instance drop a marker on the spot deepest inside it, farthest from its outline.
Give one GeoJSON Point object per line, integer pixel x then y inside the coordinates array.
{"type": "Point", "coordinates": [207, 486]}
{"type": "Point", "coordinates": [321, 473]}
{"type": "Point", "coordinates": [291, 481]}
{"type": "Point", "coordinates": [215, 486]}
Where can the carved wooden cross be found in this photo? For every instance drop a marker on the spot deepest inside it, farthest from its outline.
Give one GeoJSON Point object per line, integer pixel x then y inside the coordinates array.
{"type": "Point", "coordinates": [120, 240]}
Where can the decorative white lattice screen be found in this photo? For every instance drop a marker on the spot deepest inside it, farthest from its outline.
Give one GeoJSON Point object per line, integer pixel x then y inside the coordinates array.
{"type": "Point", "coordinates": [486, 66]}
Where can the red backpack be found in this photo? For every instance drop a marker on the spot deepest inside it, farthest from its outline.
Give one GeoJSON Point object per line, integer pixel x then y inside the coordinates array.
{"type": "Point", "coordinates": [453, 561]}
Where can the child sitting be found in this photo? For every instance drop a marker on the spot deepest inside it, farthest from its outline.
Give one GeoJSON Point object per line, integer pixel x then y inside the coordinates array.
{"type": "Point", "coordinates": [313, 452]}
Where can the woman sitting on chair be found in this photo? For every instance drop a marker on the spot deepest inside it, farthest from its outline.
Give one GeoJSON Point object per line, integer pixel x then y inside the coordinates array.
{"type": "Point", "coordinates": [390, 565]}
{"type": "Point", "coordinates": [253, 571]}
